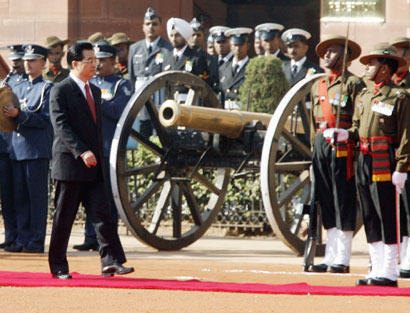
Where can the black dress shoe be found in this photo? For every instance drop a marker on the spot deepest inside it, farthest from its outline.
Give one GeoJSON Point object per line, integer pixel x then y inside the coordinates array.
{"type": "Point", "coordinates": [5, 244]}
{"type": "Point", "coordinates": [404, 274]}
{"type": "Point", "coordinates": [116, 268]}
{"type": "Point", "coordinates": [62, 275]}
{"type": "Point", "coordinates": [33, 250]}
{"type": "Point", "coordinates": [320, 268]}
{"type": "Point", "coordinates": [362, 282]}
{"type": "Point", "coordinates": [339, 268]}
{"type": "Point", "coordinates": [381, 281]}
{"type": "Point", "coordinates": [15, 247]}
{"type": "Point", "coordinates": [86, 246]}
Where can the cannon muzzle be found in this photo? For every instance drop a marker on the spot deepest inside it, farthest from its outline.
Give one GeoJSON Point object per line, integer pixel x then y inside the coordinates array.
{"type": "Point", "coordinates": [227, 123]}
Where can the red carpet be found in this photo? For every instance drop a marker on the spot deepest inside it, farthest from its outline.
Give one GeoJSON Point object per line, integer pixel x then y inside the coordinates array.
{"type": "Point", "coordinates": [24, 279]}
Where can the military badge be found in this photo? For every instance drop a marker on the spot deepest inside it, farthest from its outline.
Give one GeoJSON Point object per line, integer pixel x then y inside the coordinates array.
{"type": "Point", "coordinates": [188, 66]}
{"type": "Point", "coordinates": [23, 104]}
{"type": "Point", "coordinates": [382, 108]}
{"type": "Point", "coordinates": [167, 67]}
{"type": "Point", "coordinates": [310, 71]}
{"type": "Point", "coordinates": [106, 94]}
{"type": "Point", "coordinates": [159, 58]}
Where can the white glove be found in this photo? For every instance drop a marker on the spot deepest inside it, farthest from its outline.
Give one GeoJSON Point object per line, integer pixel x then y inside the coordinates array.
{"type": "Point", "coordinates": [398, 179]}
{"type": "Point", "coordinates": [342, 134]}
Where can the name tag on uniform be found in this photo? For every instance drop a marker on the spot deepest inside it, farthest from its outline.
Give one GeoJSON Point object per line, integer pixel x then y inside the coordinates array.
{"type": "Point", "coordinates": [222, 79]}
{"type": "Point", "coordinates": [167, 67]}
{"type": "Point", "coordinates": [382, 108]}
{"type": "Point", "coordinates": [138, 58]}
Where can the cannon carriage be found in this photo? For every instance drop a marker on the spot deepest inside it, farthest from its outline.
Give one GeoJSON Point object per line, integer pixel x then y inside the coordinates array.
{"type": "Point", "coordinates": [169, 189]}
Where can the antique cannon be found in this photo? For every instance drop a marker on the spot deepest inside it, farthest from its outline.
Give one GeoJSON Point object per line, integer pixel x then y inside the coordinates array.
{"type": "Point", "coordinates": [169, 190]}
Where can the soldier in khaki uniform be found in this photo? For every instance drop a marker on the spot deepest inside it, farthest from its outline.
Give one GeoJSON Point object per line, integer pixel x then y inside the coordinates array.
{"type": "Point", "coordinates": [332, 163]}
{"type": "Point", "coordinates": [122, 42]}
{"type": "Point", "coordinates": [402, 79]}
{"type": "Point", "coordinates": [55, 72]}
{"type": "Point", "coordinates": [382, 125]}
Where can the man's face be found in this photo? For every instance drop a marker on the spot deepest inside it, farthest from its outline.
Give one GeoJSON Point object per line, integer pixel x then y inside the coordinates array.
{"type": "Point", "coordinates": [258, 47]}
{"type": "Point", "coordinates": [271, 46]}
{"type": "Point", "coordinates": [210, 49]}
{"type": "Point", "coordinates": [177, 40]}
{"type": "Point", "coordinates": [18, 66]}
{"type": "Point", "coordinates": [333, 58]}
{"type": "Point", "coordinates": [405, 54]}
{"type": "Point", "coordinates": [122, 56]}
{"type": "Point", "coordinates": [222, 47]}
{"type": "Point", "coordinates": [86, 67]}
{"type": "Point", "coordinates": [34, 67]}
{"type": "Point", "coordinates": [55, 55]}
{"type": "Point", "coordinates": [372, 69]}
{"type": "Point", "coordinates": [152, 28]}
{"type": "Point", "coordinates": [105, 67]}
{"type": "Point", "coordinates": [240, 51]}
{"type": "Point", "coordinates": [297, 50]}
{"type": "Point", "coordinates": [197, 40]}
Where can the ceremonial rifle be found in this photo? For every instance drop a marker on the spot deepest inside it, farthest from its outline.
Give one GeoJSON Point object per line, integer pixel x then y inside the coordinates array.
{"type": "Point", "coordinates": [311, 241]}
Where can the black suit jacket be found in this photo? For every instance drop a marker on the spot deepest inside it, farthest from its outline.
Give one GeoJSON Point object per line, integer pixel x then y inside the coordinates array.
{"type": "Point", "coordinates": [75, 132]}
{"type": "Point", "coordinates": [307, 66]}
{"type": "Point", "coordinates": [229, 83]}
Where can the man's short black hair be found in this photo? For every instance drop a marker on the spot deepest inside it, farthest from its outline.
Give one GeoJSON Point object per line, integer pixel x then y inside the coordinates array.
{"type": "Point", "coordinates": [75, 52]}
{"type": "Point", "coordinates": [392, 64]}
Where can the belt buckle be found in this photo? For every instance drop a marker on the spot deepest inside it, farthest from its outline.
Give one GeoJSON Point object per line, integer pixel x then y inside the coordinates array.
{"type": "Point", "coordinates": [322, 126]}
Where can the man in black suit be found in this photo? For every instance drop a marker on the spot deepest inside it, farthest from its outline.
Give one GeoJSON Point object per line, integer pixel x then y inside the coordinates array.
{"type": "Point", "coordinates": [77, 165]}
{"type": "Point", "coordinates": [298, 67]}
{"type": "Point", "coordinates": [182, 57]}
{"type": "Point", "coordinates": [270, 36]}
{"type": "Point", "coordinates": [232, 74]}
{"type": "Point", "coordinates": [196, 43]}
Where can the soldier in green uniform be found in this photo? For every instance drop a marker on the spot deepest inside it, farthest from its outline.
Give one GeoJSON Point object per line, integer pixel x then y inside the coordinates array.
{"type": "Point", "coordinates": [332, 162]}
{"type": "Point", "coordinates": [381, 123]}
{"type": "Point", "coordinates": [55, 72]}
{"type": "Point", "coordinates": [122, 42]}
{"type": "Point", "coordinates": [402, 79]}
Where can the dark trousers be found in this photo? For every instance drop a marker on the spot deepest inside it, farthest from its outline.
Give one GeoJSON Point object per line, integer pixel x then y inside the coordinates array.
{"type": "Point", "coordinates": [6, 196]}
{"type": "Point", "coordinates": [405, 208]}
{"type": "Point", "coordinates": [31, 201]}
{"type": "Point", "coordinates": [377, 202]}
{"type": "Point", "coordinates": [336, 195]}
{"type": "Point", "coordinates": [68, 196]}
{"type": "Point", "coordinates": [90, 234]}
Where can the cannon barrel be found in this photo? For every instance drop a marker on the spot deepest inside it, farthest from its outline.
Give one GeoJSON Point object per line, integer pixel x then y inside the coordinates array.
{"type": "Point", "coordinates": [227, 123]}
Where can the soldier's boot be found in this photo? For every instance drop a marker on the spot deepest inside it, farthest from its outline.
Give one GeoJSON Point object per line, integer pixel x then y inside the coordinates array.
{"type": "Point", "coordinates": [343, 252]}
{"type": "Point", "coordinates": [388, 274]}
{"type": "Point", "coordinates": [376, 251]}
{"type": "Point", "coordinates": [330, 252]}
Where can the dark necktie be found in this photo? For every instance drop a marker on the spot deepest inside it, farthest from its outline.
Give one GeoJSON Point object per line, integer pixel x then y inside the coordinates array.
{"type": "Point", "coordinates": [221, 61]}
{"type": "Point", "coordinates": [149, 49]}
{"type": "Point", "coordinates": [90, 101]}
{"type": "Point", "coordinates": [294, 70]}
{"type": "Point", "coordinates": [176, 58]}
{"type": "Point", "coordinates": [235, 69]}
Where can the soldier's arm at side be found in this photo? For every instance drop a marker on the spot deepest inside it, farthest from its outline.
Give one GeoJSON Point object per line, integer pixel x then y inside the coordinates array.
{"type": "Point", "coordinates": [131, 67]}
{"type": "Point", "coordinates": [403, 134]}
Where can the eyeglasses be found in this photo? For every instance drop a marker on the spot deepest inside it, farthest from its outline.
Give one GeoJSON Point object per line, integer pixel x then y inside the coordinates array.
{"type": "Point", "coordinates": [90, 61]}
